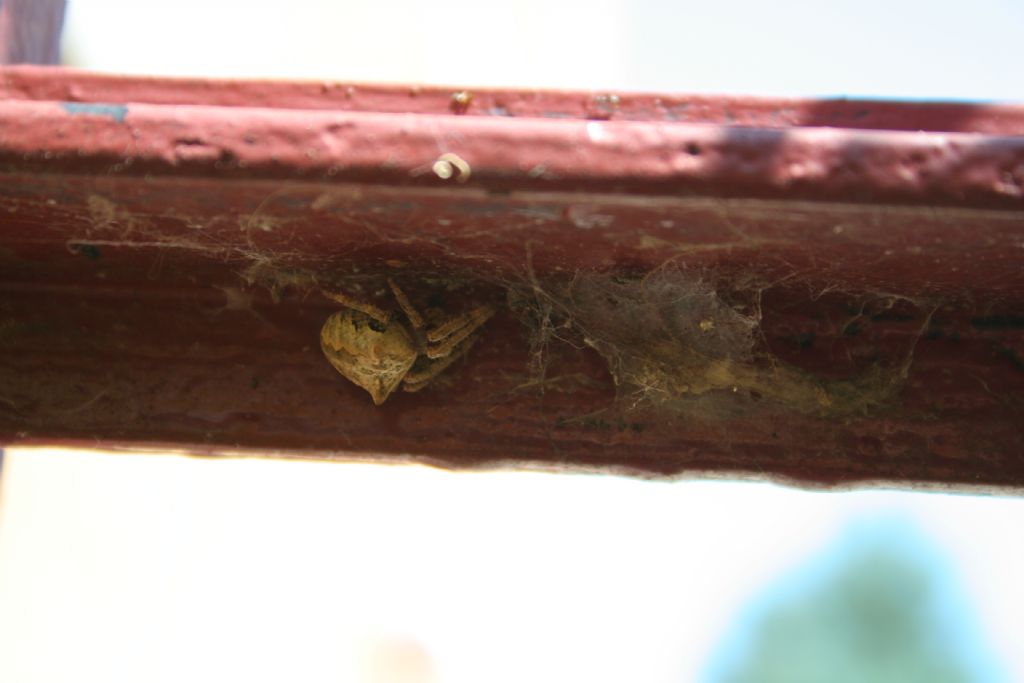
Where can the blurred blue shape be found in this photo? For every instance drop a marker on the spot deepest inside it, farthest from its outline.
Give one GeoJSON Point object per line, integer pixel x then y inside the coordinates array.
{"type": "Point", "coordinates": [882, 604]}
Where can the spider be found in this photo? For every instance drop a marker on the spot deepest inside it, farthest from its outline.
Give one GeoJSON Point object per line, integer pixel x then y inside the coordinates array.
{"type": "Point", "coordinates": [373, 350]}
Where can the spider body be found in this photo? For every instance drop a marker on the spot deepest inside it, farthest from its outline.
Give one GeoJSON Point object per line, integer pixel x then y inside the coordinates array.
{"type": "Point", "coordinates": [377, 352]}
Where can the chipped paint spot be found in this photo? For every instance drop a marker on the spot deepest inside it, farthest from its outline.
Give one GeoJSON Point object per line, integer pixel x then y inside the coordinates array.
{"type": "Point", "coordinates": [596, 132]}
{"type": "Point", "coordinates": [461, 101]}
{"type": "Point", "coordinates": [90, 251]}
{"type": "Point", "coordinates": [546, 212]}
{"type": "Point", "coordinates": [586, 218]}
{"type": "Point", "coordinates": [114, 111]}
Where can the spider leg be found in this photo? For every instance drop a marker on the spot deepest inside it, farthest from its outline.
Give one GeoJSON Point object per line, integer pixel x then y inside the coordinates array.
{"type": "Point", "coordinates": [410, 311]}
{"type": "Point", "coordinates": [356, 305]}
{"type": "Point", "coordinates": [443, 340]}
{"type": "Point", "coordinates": [415, 380]}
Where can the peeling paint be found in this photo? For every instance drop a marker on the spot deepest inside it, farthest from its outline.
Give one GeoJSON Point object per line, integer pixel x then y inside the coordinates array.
{"type": "Point", "coordinates": [114, 111]}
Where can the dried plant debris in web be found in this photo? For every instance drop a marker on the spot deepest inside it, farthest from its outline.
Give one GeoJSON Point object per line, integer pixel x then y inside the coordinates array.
{"type": "Point", "coordinates": [674, 343]}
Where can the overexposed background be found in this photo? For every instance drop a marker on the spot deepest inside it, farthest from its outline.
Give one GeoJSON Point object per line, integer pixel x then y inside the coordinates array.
{"type": "Point", "coordinates": [882, 48]}
{"type": "Point", "coordinates": [117, 567]}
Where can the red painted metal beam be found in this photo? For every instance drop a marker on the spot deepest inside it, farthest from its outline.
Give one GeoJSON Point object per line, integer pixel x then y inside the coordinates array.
{"type": "Point", "coordinates": [827, 292]}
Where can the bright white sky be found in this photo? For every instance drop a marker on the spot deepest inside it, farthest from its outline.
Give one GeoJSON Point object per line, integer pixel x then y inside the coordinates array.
{"type": "Point", "coordinates": [888, 48]}
{"type": "Point", "coordinates": [161, 568]}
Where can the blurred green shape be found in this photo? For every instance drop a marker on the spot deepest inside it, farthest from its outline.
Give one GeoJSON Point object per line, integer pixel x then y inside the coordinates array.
{"type": "Point", "coordinates": [879, 608]}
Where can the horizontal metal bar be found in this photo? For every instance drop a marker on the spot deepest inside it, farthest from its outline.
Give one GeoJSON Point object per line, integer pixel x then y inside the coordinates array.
{"type": "Point", "coordinates": [67, 85]}
{"type": "Point", "coordinates": [637, 158]}
{"type": "Point", "coordinates": [811, 303]}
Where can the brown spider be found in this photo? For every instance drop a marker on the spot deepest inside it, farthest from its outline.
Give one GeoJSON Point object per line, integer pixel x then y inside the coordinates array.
{"type": "Point", "coordinates": [372, 349]}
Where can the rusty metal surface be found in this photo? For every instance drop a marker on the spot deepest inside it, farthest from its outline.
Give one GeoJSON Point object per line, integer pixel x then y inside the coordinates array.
{"type": "Point", "coordinates": [828, 292]}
